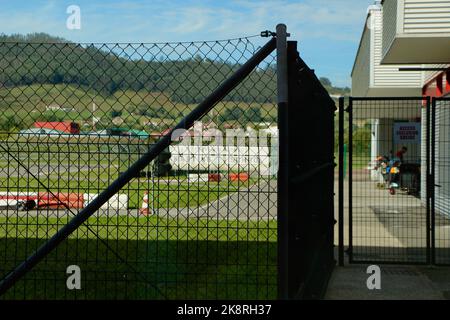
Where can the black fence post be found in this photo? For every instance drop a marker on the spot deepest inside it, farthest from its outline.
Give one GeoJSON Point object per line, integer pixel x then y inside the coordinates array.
{"type": "Point", "coordinates": [431, 223]}
{"type": "Point", "coordinates": [341, 181]}
{"type": "Point", "coordinates": [350, 178]}
{"type": "Point", "coordinates": [428, 179]}
{"type": "Point", "coordinates": [283, 170]}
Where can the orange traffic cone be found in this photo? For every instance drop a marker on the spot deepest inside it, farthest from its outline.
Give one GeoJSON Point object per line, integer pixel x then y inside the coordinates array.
{"type": "Point", "coordinates": [145, 209]}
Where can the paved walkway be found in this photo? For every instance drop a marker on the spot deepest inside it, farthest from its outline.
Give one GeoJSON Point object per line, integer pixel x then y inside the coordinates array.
{"type": "Point", "coordinates": [390, 228]}
{"type": "Point", "coordinates": [397, 283]}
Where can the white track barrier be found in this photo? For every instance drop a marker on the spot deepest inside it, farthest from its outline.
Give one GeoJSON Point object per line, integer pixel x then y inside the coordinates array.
{"type": "Point", "coordinates": [8, 203]}
{"type": "Point", "coordinates": [117, 202]}
{"type": "Point", "coordinates": [18, 194]}
{"type": "Point", "coordinates": [194, 177]}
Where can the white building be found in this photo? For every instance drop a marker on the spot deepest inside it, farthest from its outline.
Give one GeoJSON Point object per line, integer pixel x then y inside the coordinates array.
{"type": "Point", "coordinates": [416, 31]}
{"type": "Point", "coordinates": [372, 79]}
{"type": "Point", "coordinates": [412, 34]}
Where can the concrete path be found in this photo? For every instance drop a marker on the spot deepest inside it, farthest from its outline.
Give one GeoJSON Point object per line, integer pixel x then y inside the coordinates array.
{"type": "Point", "coordinates": [259, 202]}
{"type": "Point", "coordinates": [390, 228]}
{"type": "Point", "coordinates": [386, 227]}
{"type": "Point", "coordinates": [397, 283]}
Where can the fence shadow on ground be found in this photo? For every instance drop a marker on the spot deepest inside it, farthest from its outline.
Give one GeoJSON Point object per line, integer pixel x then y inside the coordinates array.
{"type": "Point", "coordinates": [162, 270]}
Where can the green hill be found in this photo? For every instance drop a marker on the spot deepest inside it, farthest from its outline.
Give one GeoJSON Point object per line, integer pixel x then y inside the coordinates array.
{"type": "Point", "coordinates": [42, 59]}
{"type": "Point", "coordinates": [332, 89]}
{"type": "Point", "coordinates": [21, 106]}
{"type": "Point", "coordinates": [39, 71]}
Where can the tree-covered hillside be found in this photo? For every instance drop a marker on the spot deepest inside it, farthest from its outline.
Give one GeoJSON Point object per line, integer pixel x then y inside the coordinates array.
{"type": "Point", "coordinates": [42, 59]}
{"type": "Point", "coordinates": [332, 89]}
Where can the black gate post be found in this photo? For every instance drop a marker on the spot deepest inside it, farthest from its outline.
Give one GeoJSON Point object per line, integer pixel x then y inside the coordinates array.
{"type": "Point", "coordinates": [350, 178]}
{"type": "Point", "coordinates": [429, 180]}
{"type": "Point", "coordinates": [431, 144]}
{"type": "Point", "coordinates": [283, 164]}
{"type": "Point", "coordinates": [341, 181]}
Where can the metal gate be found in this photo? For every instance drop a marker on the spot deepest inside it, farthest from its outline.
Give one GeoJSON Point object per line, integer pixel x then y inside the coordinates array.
{"type": "Point", "coordinates": [397, 181]}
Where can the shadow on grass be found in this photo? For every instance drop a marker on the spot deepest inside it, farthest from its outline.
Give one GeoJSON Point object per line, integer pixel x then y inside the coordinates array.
{"type": "Point", "coordinates": [167, 269]}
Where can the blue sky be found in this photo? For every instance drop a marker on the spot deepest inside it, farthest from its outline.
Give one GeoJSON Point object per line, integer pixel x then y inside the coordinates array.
{"type": "Point", "coordinates": [328, 31]}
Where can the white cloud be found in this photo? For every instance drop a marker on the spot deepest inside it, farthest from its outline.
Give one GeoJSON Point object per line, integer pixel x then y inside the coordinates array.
{"type": "Point", "coordinates": [189, 20]}
{"type": "Point", "coordinates": [312, 21]}
{"type": "Point", "coordinates": [159, 20]}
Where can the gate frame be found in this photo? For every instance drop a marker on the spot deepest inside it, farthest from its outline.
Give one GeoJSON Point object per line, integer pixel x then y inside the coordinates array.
{"type": "Point", "coordinates": [429, 224]}
{"type": "Point", "coordinates": [432, 183]}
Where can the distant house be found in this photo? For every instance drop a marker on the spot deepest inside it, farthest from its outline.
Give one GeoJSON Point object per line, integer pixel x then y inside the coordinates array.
{"type": "Point", "coordinates": [55, 107]}
{"type": "Point", "coordinates": [99, 133]}
{"type": "Point", "coordinates": [125, 132]}
{"type": "Point", "coordinates": [138, 133]}
{"type": "Point", "coordinates": [62, 126]}
{"type": "Point", "coordinates": [273, 131]}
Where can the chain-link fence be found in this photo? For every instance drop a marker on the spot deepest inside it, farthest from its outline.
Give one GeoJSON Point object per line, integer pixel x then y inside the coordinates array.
{"type": "Point", "coordinates": [198, 222]}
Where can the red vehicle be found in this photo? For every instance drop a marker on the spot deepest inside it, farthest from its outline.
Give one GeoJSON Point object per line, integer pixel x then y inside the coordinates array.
{"type": "Point", "coordinates": [57, 200]}
{"type": "Point", "coordinates": [63, 126]}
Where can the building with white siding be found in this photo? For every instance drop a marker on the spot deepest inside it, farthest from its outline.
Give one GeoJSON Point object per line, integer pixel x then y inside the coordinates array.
{"type": "Point", "coordinates": [407, 34]}
{"type": "Point", "coordinates": [419, 32]}
{"type": "Point", "coordinates": [370, 78]}
{"type": "Point", "coordinates": [416, 31]}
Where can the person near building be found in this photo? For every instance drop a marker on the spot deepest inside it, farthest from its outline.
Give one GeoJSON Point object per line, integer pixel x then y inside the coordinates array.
{"type": "Point", "coordinates": [400, 153]}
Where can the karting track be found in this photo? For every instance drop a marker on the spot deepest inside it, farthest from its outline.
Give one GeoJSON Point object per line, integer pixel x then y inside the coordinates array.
{"type": "Point", "coordinates": [259, 202]}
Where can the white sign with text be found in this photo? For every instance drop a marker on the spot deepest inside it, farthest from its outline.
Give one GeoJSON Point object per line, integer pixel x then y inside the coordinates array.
{"type": "Point", "coordinates": [407, 132]}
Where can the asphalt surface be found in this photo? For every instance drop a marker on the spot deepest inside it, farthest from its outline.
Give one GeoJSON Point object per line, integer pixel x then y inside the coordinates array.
{"type": "Point", "coordinates": [259, 202]}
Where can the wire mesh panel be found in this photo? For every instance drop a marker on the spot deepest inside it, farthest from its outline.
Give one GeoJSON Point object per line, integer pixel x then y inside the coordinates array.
{"type": "Point", "coordinates": [198, 222]}
{"type": "Point", "coordinates": [389, 214]}
{"type": "Point", "coordinates": [441, 165]}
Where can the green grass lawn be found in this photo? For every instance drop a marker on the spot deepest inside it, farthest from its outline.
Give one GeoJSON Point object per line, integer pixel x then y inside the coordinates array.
{"type": "Point", "coordinates": [162, 193]}
{"type": "Point", "coordinates": [159, 258]}
{"type": "Point", "coordinates": [132, 257]}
